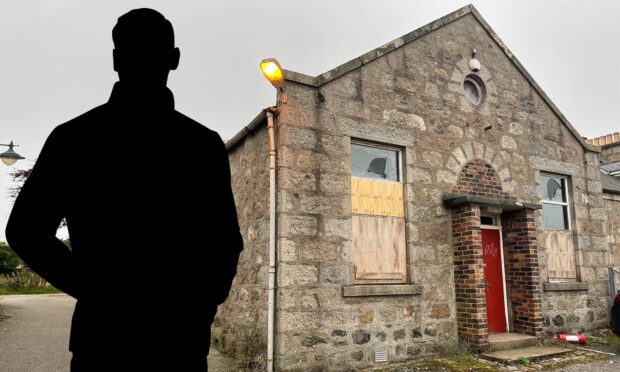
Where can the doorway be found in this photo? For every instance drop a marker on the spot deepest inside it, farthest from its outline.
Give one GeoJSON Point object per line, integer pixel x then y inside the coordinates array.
{"type": "Point", "coordinates": [494, 277]}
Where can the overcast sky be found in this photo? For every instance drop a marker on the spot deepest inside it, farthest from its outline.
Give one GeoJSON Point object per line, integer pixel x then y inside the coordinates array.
{"type": "Point", "coordinates": [56, 57]}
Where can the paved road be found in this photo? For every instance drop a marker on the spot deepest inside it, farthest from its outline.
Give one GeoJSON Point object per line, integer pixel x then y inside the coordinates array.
{"type": "Point", "coordinates": [34, 335]}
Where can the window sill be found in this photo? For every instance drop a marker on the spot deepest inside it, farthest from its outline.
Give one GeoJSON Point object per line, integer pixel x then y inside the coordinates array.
{"type": "Point", "coordinates": [567, 286]}
{"type": "Point", "coordinates": [365, 290]}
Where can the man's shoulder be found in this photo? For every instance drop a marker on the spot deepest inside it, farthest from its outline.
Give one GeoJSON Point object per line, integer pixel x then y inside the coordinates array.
{"type": "Point", "coordinates": [77, 122]}
{"type": "Point", "coordinates": [200, 130]}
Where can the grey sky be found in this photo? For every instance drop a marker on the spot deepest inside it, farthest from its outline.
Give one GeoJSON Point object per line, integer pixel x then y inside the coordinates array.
{"type": "Point", "coordinates": [56, 57]}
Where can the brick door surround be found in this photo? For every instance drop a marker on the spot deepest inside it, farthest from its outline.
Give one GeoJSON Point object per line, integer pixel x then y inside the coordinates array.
{"type": "Point", "coordinates": [523, 286]}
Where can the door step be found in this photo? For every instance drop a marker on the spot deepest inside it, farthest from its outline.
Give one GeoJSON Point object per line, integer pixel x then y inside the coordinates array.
{"type": "Point", "coordinates": [507, 341]}
{"type": "Point", "coordinates": [532, 354]}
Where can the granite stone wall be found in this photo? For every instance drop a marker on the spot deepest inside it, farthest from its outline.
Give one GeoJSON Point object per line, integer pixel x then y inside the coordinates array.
{"type": "Point", "coordinates": [412, 97]}
{"type": "Point", "coordinates": [241, 322]}
{"type": "Point", "coordinates": [612, 203]}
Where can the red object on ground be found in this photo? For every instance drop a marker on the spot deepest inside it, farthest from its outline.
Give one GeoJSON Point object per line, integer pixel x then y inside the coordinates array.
{"type": "Point", "coordinates": [577, 339]}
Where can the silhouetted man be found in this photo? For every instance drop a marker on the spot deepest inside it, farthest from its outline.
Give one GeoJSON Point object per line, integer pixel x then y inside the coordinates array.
{"type": "Point", "coordinates": [147, 197]}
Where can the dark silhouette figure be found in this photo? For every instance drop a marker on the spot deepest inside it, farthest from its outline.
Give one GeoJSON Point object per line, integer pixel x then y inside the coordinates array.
{"type": "Point", "coordinates": [147, 197]}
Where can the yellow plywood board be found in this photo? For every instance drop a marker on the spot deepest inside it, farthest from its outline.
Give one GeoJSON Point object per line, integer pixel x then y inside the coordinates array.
{"type": "Point", "coordinates": [560, 254]}
{"type": "Point", "coordinates": [379, 198]}
{"type": "Point", "coordinates": [379, 248]}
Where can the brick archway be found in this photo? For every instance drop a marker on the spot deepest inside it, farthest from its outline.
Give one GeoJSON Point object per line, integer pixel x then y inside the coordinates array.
{"type": "Point", "coordinates": [478, 189]}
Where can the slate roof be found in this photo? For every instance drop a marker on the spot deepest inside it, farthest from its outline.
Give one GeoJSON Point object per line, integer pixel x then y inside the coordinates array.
{"type": "Point", "coordinates": [610, 184]}
{"type": "Point", "coordinates": [611, 167]}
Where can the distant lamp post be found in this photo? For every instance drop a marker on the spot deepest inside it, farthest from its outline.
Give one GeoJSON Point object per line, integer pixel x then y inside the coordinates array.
{"type": "Point", "coordinates": [273, 72]}
{"type": "Point", "coordinates": [9, 157]}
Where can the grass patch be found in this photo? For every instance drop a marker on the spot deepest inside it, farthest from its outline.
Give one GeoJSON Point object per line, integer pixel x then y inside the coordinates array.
{"type": "Point", "coordinates": [456, 362]}
{"type": "Point", "coordinates": [574, 361]}
{"type": "Point", "coordinates": [524, 361]}
{"type": "Point", "coordinates": [33, 290]}
{"type": "Point", "coordinates": [603, 337]}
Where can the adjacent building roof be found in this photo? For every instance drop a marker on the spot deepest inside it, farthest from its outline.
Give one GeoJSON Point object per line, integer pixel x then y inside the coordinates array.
{"type": "Point", "coordinates": [610, 184]}
{"type": "Point", "coordinates": [259, 119]}
{"type": "Point", "coordinates": [355, 63]}
{"type": "Point", "coordinates": [606, 140]}
{"type": "Point", "coordinates": [611, 167]}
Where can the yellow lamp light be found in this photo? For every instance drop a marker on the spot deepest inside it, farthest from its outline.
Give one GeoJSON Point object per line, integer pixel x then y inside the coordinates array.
{"type": "Point", "coordinates": [272, 72]}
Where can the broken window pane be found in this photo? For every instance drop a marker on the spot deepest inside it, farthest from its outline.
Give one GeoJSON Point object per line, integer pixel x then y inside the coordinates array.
{"type": "Point", "coordinates": [552, 188]}
{"type": "Point", "coordinates": [374, 162]}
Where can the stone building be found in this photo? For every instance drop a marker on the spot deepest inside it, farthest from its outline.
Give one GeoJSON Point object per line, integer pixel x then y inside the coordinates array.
{"type": "Point", "coordinates": [427, 196]}
{"type": "Point", "coordinates": [610, 179]}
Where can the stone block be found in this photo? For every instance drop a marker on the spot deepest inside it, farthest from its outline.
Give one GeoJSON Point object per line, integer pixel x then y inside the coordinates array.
{"type": "Point", "coordinates": [314, 251]}
{"type": "Point", "coordinates": [335, 184]}
{"type": "Point", "coordinates": [468, 149]}
{"type": "Point", "coordinates": [336, 145]}
{"type": "Point", "coordinates": [440, 311]}
{"type": "Point", "coordinates": [516, 128]}
{"type": "Point", "coordinates": [298, 321]}
{"type": "Point", "coordinates": [453, 165]}
{"type": "Point", "coordinates": [446, 177]}
{"type": "Point", "coordinates": [509, 143]}
{"type": "Point", "coordinates": [338, 228]}
{"type": "Point", "coordinates": [460, 156]}
{"type": "Point", "coordinates": [454, 131]}
{"type": "Point", "coordinates": [423, 254]}
{"type": "Point", "coordinates": [478, 150]}
{"type": "Point", "coordinates": [294, 180]}
{"type": "Point", "coordinates": [403, 119]}
{"type": "Point", "coordinates": [287, 250]}
{"type": "Point", "coordinates": [299, 137]}
{"type": "Point", "coordinates": [336, 274]}
{"type": "Point", "coordinates": [296, 275]}
{"type": "Point", "coordinates": [292, 226]}
{"type": "Point", "coordinates": [432, 159]}
{"type": "Point", "coordinates": [417, 175]}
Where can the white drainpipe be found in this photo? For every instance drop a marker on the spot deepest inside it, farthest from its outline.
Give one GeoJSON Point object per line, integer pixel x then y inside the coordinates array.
{"type": "Point", "coordinates": [272, 240]}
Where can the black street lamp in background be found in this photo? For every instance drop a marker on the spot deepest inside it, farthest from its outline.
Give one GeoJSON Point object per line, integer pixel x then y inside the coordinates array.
{"type": "Point", "coordinates": [9, 157]}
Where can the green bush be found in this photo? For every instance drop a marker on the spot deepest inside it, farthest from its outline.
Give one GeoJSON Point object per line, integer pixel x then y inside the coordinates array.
{"type": "Point", "coordinates": [24, 278]}
{"type": "Point", "coordinates": [9, 261]}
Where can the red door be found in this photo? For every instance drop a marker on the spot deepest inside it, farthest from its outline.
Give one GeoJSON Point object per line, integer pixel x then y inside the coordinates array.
{"type": "Point", "coordinates": [494, 281]}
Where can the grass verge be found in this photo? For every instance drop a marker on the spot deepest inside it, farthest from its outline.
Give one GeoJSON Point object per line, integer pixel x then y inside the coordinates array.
{"type": "Point", "coordinates": [33, 290]}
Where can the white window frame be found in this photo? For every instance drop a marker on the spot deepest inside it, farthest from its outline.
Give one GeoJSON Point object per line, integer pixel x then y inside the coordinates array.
{"type": "Point", "coordinates": [565, 204]}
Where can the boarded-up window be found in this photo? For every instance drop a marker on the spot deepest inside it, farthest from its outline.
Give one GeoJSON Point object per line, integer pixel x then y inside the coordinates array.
{"type": "Point", "coordinates": [378, 229]}
{"type": "Point", "coordinates": [556, 220]}
{"type": "Point", "coordinates": [560, 255]}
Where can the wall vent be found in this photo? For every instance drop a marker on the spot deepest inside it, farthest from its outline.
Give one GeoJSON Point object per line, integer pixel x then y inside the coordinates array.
{"type": "Point", "coordinates": [381, 355]}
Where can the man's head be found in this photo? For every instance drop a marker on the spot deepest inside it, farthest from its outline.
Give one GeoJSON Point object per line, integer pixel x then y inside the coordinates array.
{"type": "Point", "coordinates": [144, 51]}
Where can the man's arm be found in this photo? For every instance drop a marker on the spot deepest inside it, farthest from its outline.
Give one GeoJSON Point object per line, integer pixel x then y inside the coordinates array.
{"type": "Point", "coordinates": [36, 215]}
{"type": "Point", "coordinates": [231, 241]}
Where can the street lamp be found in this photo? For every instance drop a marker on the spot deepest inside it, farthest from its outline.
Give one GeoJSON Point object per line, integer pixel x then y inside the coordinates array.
{"type": "Point", "coordinates": [9, 157]}
{"type": "Point", "coordinates": [273, 72]}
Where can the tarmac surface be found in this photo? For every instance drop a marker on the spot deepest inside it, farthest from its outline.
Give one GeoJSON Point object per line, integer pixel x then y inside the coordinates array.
{"type": "Point", "coordinates": [34, 335]}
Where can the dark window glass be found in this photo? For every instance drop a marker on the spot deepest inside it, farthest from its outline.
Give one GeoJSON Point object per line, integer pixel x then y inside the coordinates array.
{"type": "Point", "coordinates": [374, 162]}
{"type": "Point", "coordinates": [486, 220]}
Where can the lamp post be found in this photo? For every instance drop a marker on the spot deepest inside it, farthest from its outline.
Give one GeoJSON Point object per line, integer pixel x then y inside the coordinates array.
{"type": "Point", "coordinates": [9, 157]}
{"type": "Point", "coordinates": [273, 73]}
